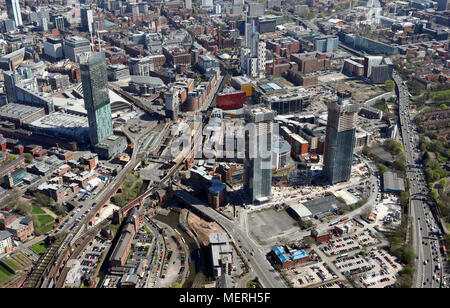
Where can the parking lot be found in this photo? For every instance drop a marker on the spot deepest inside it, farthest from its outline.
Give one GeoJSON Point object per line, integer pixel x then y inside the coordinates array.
{"type": "Point", "coordinates": [92, 255]}
{"type": "Point", "coordinates": [305, 276]}
{"type": "Point", "coordinates": [353, 264]}
{"type": "Point", "coordinates": [366, 238]}
{"type": "Point", "coordinates": [384, 272]}
{"type": "Point", "coordinates": [339, 246]}
{"type": "Point", "coordinates": [87, 262]}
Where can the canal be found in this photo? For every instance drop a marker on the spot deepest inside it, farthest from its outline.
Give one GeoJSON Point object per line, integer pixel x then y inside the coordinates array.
{"type": "Point", "coordinates": [199, 272]}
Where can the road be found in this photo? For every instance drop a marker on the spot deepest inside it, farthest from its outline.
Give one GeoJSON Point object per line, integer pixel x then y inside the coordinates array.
{"type": "Point", "coordinates": [267, 275]}
{"type": "Point", "coordinates": [426, 244]}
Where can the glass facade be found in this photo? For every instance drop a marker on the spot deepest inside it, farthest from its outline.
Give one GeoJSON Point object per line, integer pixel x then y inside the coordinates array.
{"type": "Point", "coordinates": [96, 97]}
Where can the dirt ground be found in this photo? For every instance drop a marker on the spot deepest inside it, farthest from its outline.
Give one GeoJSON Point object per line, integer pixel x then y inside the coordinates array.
{"type": "Point", "coordinates": [203, 228]}
{"type": "Point", "coordinates": [360, 90]}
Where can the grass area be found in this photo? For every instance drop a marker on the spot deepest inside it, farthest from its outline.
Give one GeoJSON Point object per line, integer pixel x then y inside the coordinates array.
{"type": "Point", "coordinates": [114, 228]}
{"type": "Point", "coordinates": [45, 219]}
{"type": "Point", "coordinates": [12, 264]}
{"type": "Point", "coordinates": [440, 96]}
{"type": "Point", "coordinates": [46, 228]}
{"type": "Point", "coordinates": [4, 275]}
{"type": "Point", "coordinates": [441, 158]}
{"type": "Point", "coordinates": [39, 248]}
{"type": "Point", "coordinates": [37, 210]}
{"type": "Point", "coordinates": [56, 211]}
{"type": "Point", "coordinates": [254, 284]}
{"type": "Point", "coordinates": [146, 229]}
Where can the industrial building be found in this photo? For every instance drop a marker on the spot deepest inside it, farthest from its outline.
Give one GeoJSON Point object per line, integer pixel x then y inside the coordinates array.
{"type": "Point", "coordinates": [221, 254]}
{"type": "Point", "coordinates": [315, 208]}
{"type": "Point", "coordinates": [392, 182]}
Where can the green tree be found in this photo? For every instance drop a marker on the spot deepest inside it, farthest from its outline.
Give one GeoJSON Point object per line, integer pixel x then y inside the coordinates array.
{"type": "Point", "coordinates": [28, 158]}
{"type": "Point", "coordinates": [389, 85]}
{"type": "Point", "coordinates": [434, 194]}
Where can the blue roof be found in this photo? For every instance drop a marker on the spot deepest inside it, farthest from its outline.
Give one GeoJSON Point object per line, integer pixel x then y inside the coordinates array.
{"type": "Point", "coordinates": [278, 250]}
{"type": "Point", "coordinates": [300, 254]}
{"type": "Point", "coordinates": [283, 258]}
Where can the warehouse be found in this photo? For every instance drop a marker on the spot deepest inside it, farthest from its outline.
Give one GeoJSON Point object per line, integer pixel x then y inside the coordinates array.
{"type": "Point", "coordinates": [315, 208]}
{"type": "Point", "coordinates": [393, 183]}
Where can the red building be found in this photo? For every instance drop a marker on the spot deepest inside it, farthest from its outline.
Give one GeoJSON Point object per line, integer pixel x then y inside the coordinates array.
{"type": "Point", "coordinates": [231, 99]}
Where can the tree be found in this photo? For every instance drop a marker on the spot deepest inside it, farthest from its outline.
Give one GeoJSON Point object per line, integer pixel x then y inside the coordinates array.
{"type": "Point", "coordinates": [382, 168]}
{"type": "Point", "coordinates": [367, 211]}
{"type": "Point", "coordinates": [434, 194]}
{"type": "Point", "coordinates": [389, 85]}
{"type": "Point", "coordinates": [28, 158]}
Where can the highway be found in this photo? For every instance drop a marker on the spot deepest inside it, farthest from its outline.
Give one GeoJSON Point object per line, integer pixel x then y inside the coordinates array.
{"type": "Point", "coordinates": [426, 244]}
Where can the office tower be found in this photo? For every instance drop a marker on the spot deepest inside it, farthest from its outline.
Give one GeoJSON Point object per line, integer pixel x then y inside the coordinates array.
{"type": "Point", "coordinates": [76, 48]}
{"type": "Point", "coordinates": [340, 140]}
{"type": "Point", "coordinates": [254, 40]}
{"type": "Point", "coordinates": [43, 24]}
{"type": "Point", "coordinates": [258, 154]}
{"type": "Point", "coordinates": [326, 43]}
{"type": "Point", "coordinates": [59, 22]}
{"type": "Point", "coordinates": [188, 4]}
{"type": "Point", "coordinates": [255, 9]}
{"type": "Point", "coordinates": [8, 25]}
{"type": "Point", "coordinates": [87, 19]}
{"type": "Point", "coordinates": [13, 10]}
{"type": "Point", "coordinates": [96, 97]}
{"type": "Point", "coordinates": [172, 103]}
{"type": "Point", "coordinates": [248, 31]}
{"type": "Point", "coordinates": [217, 9]}
{"type": "Point", "coordinates": [443, 5]}
{"type": "Point", "coordinates": [207, 3]}
{"type": "Point", "coordinates": [261, 55]}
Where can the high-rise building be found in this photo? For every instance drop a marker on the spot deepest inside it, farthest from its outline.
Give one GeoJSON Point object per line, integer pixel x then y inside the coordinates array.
{"type": "Point", "coordinates": [172, 103]}
{"type": "Point", "coordinates": [328, 43]}
{"type": "Point", "coordinates": [443, 5]}
{"type": "Point", "coordinates": [59, 22]}
{"type": "Point", "coordinates": [94, 78]}
{"type": "Point", "coordinates": [188, 4]}
{"type": "Point", "coordinates": [207, 3]}
{"type": "Point", "coordinates": [87, 19]}
{"type": "Point", "coordinates": [258, 154]}
{"type": "Point", "coordinates": [8, 25]}
{"type": "Point", "coordinates": [340, 139]}
{"type": "Point", "coordinates": [13, 10]}
{"type": "Point", "coordinates": [255, 9]}
{"type": "Point", "coordinates": [248, 31]}
{"type": "Point", "coordinates": [77, 48]}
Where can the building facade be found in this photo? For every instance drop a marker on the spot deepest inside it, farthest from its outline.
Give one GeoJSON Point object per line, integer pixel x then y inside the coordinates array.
{"type": "Point", "coordinates": [340, 140]}
{"type": "Point", "coordinates": [258, 154]}
{"type": "Point", "coordinates": [96, 98]}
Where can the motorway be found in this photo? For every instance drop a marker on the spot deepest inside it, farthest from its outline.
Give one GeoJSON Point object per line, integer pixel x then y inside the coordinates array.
{"type": "Point", "coordinates": [426, 244]}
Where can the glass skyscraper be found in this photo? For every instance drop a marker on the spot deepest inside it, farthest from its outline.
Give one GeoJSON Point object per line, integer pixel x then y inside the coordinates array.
{"type": "Point", "coordinates": [96, 97]}
{"type": "Point", "coordinates": [258, 154]}
{"type": "Point", "coordinates": [13, 10]}
{"type": "Point", "coordinates": [340, 140]}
